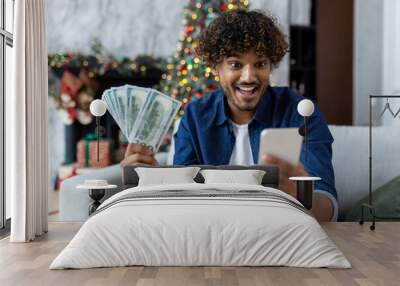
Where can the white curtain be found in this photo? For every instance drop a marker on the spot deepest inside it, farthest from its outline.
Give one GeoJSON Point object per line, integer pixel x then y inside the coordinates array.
{"type": "Point", "coordinates": [27, 123]}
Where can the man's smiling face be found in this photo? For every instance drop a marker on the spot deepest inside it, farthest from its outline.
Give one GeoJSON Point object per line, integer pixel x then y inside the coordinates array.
{"type": "Point", "coordinates": [244, 79]}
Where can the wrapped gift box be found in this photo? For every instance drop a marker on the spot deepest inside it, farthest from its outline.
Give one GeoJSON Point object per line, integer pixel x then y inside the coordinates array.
{"type": "Point", "coordinates": [87, 152]}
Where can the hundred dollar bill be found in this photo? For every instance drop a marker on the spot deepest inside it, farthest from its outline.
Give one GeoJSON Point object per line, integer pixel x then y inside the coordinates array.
{"type": "Point", "coordinates": [171, 107]}
{"type": "Point", "coordinates": [136, 100]}
{"type": "Point", "coordinates": [109, 99]}
{"type": "Point", "coordinates": [120, 99]}
{"type": "Point", "coordinates": [147, 119]}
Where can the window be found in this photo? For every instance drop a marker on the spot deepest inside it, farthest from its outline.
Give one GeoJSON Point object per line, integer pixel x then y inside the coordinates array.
{"type": "Point", "coordinates": [6, 44]}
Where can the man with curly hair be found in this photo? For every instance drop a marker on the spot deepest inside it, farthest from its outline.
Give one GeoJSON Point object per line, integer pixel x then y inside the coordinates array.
{"type": "Point", "coordinates": [224, 127]}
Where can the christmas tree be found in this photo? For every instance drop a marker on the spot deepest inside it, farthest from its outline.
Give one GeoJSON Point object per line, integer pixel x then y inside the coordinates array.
{"type": "Point", "coordinates": [186, 75]}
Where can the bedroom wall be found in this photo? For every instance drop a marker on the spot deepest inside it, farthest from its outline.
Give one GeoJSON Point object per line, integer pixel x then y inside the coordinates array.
{"type": "Point", "coordinates": [124, 27]}
{"type": "Point", "coordinates": [367, 68]}
{"type": "Point", "coordinates": [376, 57]}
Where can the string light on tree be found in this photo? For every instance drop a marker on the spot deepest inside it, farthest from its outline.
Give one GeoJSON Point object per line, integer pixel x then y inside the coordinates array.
{"type": "Point", "coordinates": [186, 75]}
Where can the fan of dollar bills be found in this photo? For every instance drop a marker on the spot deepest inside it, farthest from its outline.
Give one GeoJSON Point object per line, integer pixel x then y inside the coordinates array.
{"type": "Point", "coordinates": [144, 115]}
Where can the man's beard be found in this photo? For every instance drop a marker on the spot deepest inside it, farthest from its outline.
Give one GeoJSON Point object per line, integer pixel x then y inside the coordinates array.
{"type": "Point", "coordinates": [246, 107]}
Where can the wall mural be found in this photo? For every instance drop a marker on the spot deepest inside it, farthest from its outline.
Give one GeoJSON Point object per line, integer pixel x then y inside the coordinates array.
{"type": "Point", "coordinates": [135, 35]}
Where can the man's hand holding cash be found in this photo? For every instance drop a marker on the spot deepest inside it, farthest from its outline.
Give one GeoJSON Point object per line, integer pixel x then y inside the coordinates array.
{"type": "Point", "coordinates": [138, 154]}
{"type": "Point", "coordinates": [144, 116]}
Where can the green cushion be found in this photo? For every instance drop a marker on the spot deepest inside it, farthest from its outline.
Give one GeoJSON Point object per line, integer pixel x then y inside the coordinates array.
{"type": "Point", "coordinates": [385, 199]}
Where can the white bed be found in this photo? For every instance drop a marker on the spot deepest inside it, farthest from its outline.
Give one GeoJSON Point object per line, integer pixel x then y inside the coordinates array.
{"type": "Point", "coordinates": [246, 225]}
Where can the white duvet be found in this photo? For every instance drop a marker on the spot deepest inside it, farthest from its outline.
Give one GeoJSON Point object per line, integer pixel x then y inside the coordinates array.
{"type": "Point", "coordinates": [183, 231]}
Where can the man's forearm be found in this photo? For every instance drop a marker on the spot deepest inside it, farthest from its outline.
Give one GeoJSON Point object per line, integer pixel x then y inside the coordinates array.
{"type": "Point", "coordinates": [322, 209]}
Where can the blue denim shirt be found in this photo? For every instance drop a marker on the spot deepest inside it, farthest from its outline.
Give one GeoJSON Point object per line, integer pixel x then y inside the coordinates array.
{"type": "Point", "coordinates": [205, 135]}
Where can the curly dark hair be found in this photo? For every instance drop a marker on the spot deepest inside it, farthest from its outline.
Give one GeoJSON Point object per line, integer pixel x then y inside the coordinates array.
{"type": "Point", "coordinates": [239, 31]}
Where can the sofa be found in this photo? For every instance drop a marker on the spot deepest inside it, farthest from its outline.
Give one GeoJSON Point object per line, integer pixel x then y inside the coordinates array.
{"type": "Point", "coordinates": [350, 162]}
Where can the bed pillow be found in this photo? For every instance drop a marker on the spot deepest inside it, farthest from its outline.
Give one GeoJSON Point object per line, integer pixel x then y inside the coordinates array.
{"type": "Point", "coordinates": [248, 177]}
{"type": "Point", "coordinates": [165, 176]}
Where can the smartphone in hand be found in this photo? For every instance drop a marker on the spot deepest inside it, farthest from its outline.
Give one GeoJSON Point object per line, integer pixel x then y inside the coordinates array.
{"type": "Point", "coordinates": [284, 143]}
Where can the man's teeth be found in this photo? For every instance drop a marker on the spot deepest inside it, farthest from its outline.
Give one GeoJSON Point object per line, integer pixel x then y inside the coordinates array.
{"type": "Point", "coordinates": [247, 88]}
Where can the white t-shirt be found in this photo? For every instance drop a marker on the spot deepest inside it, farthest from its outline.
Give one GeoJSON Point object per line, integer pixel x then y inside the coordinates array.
{"type": "Point", "coordinates": [241, 154]}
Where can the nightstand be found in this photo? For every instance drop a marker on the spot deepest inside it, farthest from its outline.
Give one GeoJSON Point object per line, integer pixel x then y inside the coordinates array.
{"type": "Point", "coordinates": [305, 189]}
{"type": "Point", "coordinates": [96, 193]}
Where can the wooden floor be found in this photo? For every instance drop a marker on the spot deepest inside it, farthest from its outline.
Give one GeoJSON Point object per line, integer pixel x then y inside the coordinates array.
{"type": "Point", "coordinates": [374, 255]}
